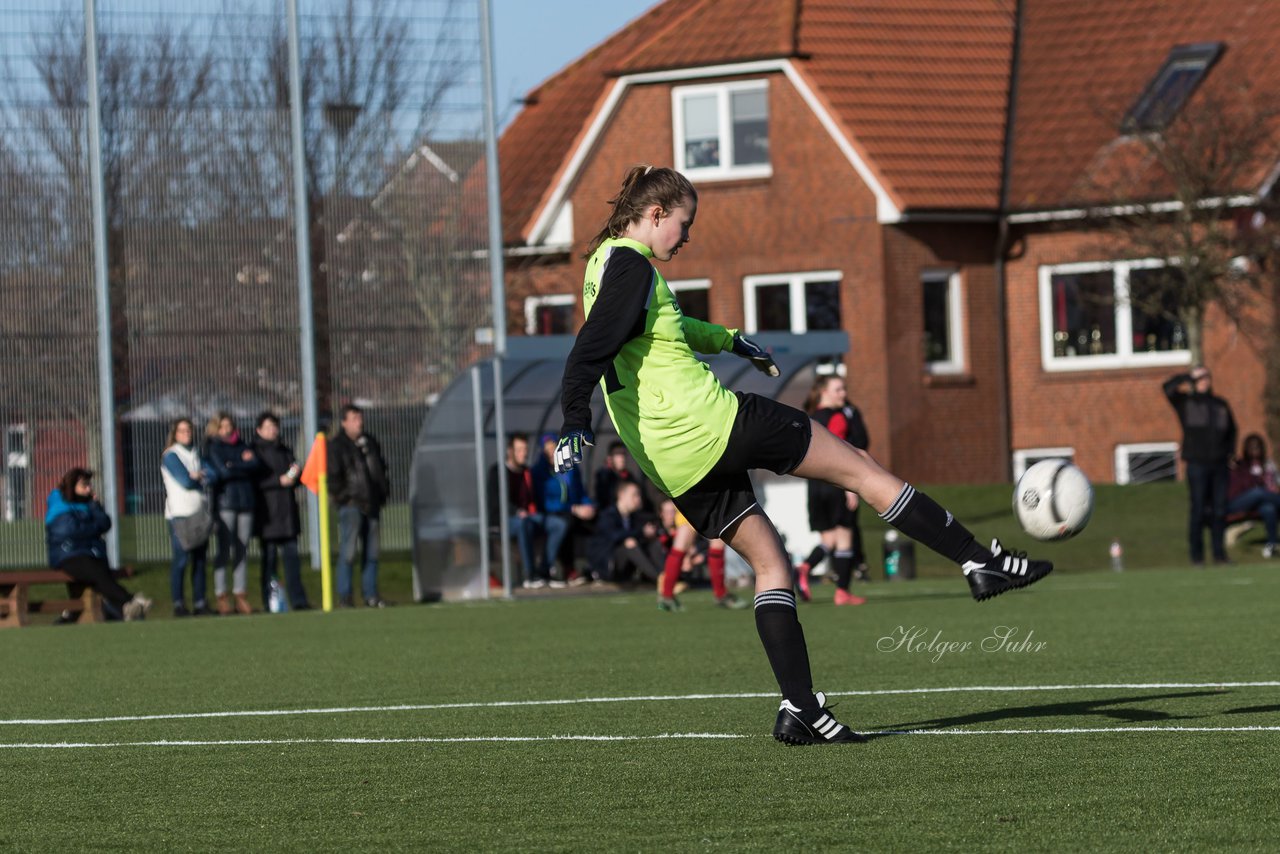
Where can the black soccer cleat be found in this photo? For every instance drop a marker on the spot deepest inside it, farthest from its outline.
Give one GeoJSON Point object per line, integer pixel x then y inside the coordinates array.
{"type": "Point", "coordinates": [1005, 571]}
{"type": "Point", "coordinates": [798, 727]}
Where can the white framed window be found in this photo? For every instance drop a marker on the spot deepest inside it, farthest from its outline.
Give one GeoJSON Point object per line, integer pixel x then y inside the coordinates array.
{"type": "Point", "coordinates": [792, 302]}
{"type": "Point", "coordinates": [1087, 320]}
{"type": "Point", "coordinates": [1026, 458]}
{"type": "Point", "coordinates": [722, 130]}
{"type": "Point", "coordinates": [549, 315]}
{"type": "Point", "coordinates": [694, 296]}
{"type": "Point", "coordinates": [1146, 462]}
{"type": "Point", "coordinates": [943, 322]}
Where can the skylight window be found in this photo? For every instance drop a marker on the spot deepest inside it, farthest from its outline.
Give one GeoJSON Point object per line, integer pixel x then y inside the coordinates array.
{"type": "Point", "coordinates": [1181, 73]}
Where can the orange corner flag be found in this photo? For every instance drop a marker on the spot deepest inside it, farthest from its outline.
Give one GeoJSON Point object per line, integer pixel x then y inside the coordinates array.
{"type": "Point", "coordinates": [317, 465]}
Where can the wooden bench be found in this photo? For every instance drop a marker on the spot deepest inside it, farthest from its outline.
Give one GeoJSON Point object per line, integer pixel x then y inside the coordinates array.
{"type": "Point", "coordinates": [16, 604]}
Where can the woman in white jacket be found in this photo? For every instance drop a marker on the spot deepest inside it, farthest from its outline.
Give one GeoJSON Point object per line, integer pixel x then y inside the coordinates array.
{"type": "Point", "coordinates": [183, 474]}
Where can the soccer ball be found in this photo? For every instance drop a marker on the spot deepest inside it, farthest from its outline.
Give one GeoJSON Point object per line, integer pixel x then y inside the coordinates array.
{"type": "Point", "coordinates": [1053, 500]}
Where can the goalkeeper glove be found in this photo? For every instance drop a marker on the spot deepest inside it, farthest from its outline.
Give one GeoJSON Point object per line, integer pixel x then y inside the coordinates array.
{"type": "Point", "coordinates": [748, 349]}
{"type": "Point", "coordinates": [569, 450]}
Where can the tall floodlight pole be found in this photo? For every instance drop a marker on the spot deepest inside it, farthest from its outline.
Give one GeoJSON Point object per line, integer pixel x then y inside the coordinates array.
{"type": "Point", "coordinates": [106, 387]}
{"type": "Point", "coordinates": [302, 235]}
{"type": "Point", "coordinates": [497, 285]}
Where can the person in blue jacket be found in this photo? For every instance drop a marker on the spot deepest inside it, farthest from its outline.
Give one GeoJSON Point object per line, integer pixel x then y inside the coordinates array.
{"type": "Point", "coordinates": [565, 506]}
{"type": "Point", "coordinates": [74, 524]}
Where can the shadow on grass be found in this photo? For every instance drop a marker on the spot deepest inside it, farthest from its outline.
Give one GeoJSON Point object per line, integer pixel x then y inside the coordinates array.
{"type": "Point", "coordinates": [1252, 710]}
{"type": "Point", "coordinates": [1105, 708]}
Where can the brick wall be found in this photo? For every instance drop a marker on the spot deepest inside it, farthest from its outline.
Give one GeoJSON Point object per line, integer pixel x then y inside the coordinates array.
{"type": "Point", "coordinates": [946, 428]}
{"type": "Point", "coordinates": [1093, 411]}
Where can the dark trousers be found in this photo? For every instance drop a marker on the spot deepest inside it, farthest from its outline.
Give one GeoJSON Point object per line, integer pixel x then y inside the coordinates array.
{"type": "Point", "coordinates": [643, 562]}
{"type": "Point", "coordinates": [95, 573]}
{"type": "Point", "coordinates": [1207, 483]}
{"type": "Point", "coordinates": [288, 551]}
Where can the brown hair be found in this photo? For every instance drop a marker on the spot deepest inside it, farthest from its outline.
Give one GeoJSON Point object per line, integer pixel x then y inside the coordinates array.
{"type": "Point", "coordinates": [173, 432]}
{"type": "Point", "coordinates": [820, 384]}
{"type": "Point", "coordinates": [67, 486]}
{"type": "Point", "coordinates": [1257, 444]}
{"type": "Point", "coordinates": [642, 188]}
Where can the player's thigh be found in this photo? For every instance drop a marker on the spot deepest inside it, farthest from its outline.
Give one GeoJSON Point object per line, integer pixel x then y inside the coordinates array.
{"type": "Point", "coordinates": [837, 462]}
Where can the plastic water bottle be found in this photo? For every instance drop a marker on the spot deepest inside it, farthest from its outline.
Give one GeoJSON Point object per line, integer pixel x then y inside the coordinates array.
{"type": "Point", "coordinates": [276, 603]}
{"type": "Point", "coordinates": [1117, 556]}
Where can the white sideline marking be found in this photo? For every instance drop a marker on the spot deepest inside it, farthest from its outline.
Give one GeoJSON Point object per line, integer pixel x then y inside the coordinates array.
{"type": "Point", "coordinates": [346, 710]}
{"type": "Point", "coordinates": [415, 740]}
{"type": "Point", "coordinates": [66, 745]}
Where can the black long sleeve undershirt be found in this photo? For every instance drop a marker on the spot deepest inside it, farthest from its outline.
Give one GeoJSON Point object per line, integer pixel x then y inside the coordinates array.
{"type": "Point", "coordinates": [617, 316]}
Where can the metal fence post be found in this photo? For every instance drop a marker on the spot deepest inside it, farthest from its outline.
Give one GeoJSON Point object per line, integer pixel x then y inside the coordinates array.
{"type": "Point", "coordinates": [302, 234]}
{"type": "Point", "coordinates": [106, 385]}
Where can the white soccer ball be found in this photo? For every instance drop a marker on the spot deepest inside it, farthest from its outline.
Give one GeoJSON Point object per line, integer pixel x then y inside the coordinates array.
{"type": "Point", "coordinates": [1053, 500]}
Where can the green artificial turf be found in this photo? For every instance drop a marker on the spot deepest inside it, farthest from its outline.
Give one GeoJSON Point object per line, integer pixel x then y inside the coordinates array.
{"type": "Point", "coordinates": [1137, 652]}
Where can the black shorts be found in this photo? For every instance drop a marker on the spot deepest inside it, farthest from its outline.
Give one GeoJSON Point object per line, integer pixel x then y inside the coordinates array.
{"type": "Point", "coordinates": [828, 507]}
{"type": "Point", "coordinates": [765, 435]}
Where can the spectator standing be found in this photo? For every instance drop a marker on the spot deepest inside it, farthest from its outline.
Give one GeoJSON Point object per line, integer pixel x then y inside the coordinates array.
{"type": "Point", "coordinates": [277, 521]}
{"type": "Point", "coordinates": [74, 524]}
{"type": "Point", "coordinates": [1254, 487]}
{"type": "Point", "coordinates": [625, 544]}
{"type": "Point", "coordinates": [186, 509]}
{"type": "Point", "coordinates": [560, 495]}
{"type": "Point", "coordinates": [1208, 441]}
{"type": "Point", "coordinates": [359, 485]}
{"type": "Point", "coordinates": [233, 499]}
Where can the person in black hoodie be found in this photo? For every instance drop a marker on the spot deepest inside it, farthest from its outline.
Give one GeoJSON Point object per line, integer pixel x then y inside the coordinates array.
{"type": "Point", "coordinates": [359, 486]}
{"type": "Point", "coordinates": [1208, 442]}
{"type": "Point", "coordinates": [237, 470]}
{"type": "Point", "coordinates": [277, 522]}
{"type": "Point", "coordinates": [74, 524]}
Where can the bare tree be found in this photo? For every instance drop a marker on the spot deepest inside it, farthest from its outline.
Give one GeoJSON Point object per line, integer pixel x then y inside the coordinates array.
{"type": "Point", "coordinates": [1196, 194]}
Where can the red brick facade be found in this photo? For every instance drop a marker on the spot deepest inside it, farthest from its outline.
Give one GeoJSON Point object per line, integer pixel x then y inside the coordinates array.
{"type": "Point", "coordinates": [1093, 411]}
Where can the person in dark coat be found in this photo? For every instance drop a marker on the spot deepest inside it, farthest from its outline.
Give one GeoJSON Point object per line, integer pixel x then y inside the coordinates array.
{"type": "Point", "coordinates": [231, 491]}
{"type": "Point", "coordinates": [74, 525]}
{"type": "Point", "coordinates": [276, 521]}
{"type": "Point", "coordinates": [1208, 443]}
{"type": "Point", "coordinates": [625, 544]}
{"type": "Point", "coordinates": [359, 486]}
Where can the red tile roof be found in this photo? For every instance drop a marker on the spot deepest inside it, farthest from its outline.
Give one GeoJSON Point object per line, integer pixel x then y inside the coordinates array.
{"type": "Point", "coordinates": [918, 87]}
{"type": "Point", "coordinates": [1085, 63]}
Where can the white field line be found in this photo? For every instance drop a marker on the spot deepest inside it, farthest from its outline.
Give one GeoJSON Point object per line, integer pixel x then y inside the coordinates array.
{"type": "Point", "coordinates": [346, 710]}
{"type": "Point", "coordinates": [67, 745]}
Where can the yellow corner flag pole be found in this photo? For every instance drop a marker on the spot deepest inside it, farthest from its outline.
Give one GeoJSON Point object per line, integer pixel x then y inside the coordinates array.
{"type": "Point", "coordinates": [315, 477]}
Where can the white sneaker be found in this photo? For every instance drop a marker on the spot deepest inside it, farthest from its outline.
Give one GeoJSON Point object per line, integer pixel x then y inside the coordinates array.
{"type": "Point", "coordinates": [534, 584]}
{"type": "Point", "coordinates": [1269, 550]}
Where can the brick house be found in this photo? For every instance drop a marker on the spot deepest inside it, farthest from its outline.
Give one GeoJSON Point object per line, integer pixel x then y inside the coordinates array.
{"type": "Point", "coordinates": [902, 172]}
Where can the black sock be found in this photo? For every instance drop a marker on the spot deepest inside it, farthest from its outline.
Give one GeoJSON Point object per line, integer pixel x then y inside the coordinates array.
{"type": "Point", "coordinates": [842, 561]}
{"type": "Point", "coordinates": [923, 520]}
{"type": "Point", "coordinates": [816, 556]}
{"type": "Point", "coordinates": [783, 641]}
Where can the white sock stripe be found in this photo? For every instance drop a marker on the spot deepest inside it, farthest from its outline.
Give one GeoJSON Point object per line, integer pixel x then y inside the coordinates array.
{"type": "Point", "coordinates": [899, 503]}
{"type": "Point", "coordinates": [776, 597]}
{"type": "Point", "coordinates": [843, 553]}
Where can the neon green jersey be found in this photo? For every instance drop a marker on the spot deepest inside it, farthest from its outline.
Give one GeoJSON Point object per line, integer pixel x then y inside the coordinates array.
{"type": "Point", "coordinates": [667, 406]}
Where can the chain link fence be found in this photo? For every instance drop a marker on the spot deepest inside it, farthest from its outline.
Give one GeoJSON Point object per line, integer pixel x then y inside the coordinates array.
{"type": "Point", "coordinates": [201, 236]}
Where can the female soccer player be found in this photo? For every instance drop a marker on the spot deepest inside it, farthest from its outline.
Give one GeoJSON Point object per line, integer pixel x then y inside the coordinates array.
{"type": "Point", "coordinates": [696, 440]}
{"type": "Point", "coordinates": [833, 513]}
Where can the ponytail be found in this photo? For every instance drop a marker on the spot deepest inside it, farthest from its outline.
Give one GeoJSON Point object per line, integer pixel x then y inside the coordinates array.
{"type": "Point", "coordinates": [642, 188]}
